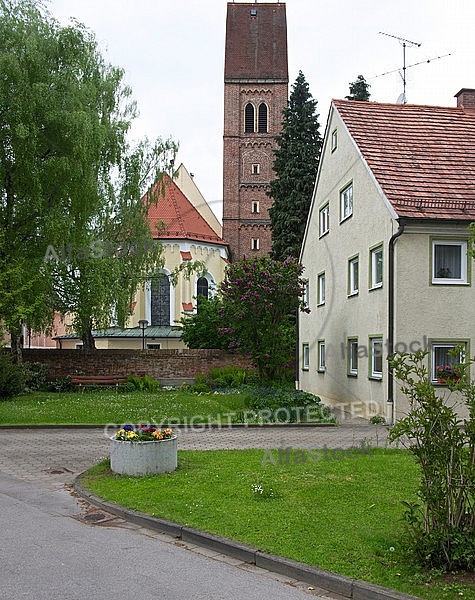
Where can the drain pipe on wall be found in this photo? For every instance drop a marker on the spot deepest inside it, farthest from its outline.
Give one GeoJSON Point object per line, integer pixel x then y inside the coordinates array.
{"type": "Point", "coordinates": [391, 287]}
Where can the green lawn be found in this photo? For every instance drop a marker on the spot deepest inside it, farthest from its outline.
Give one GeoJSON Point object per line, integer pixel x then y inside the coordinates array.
{"type": "Point", "coordinates": [110, 406]}
{"type": "Point", "coordinates": [339, 515]}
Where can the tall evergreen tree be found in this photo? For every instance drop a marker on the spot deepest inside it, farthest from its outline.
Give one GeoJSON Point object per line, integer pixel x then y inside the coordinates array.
{"type": "Point", "coordinates": [359, 90]}
{"type": "Point", "coordinates": [295, 165]}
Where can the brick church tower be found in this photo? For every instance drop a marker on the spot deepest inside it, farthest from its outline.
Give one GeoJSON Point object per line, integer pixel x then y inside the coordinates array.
{"type": "Point", "coordinates": [255, 94]}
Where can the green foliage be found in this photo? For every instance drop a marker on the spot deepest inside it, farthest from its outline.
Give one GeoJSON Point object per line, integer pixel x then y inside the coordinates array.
{"type": "Point", "coordinates": [202, 329]}
{"type": "Point", "coordinates": [442, 527]}
{"type": "Point", "coordinates": [36, 376]}
{"type": "Point", "coordinates": [143, 383]}
{"type": "Point", "coordinates": [284, 404]}
{"type": "Point", "coordinates": [60, 384]}
{"type": "Point", "coordinates": [377, 420]}
{"type": "Point", "coordinates": [12, 377]}
{"type": "Point", "coordinates": [71, 185]}
{"type": "Point", "coordinates": [359, 90]}
{"type": "Point", "coordinates": [260, 298]}
{"type": "Point", "coordinates": [296, 160]}
{"type": "Point", "coordinates": [230, 377]}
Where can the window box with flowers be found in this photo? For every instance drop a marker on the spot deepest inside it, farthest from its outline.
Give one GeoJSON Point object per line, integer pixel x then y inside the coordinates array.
{"type": "Point", "coordinates": [448, 373]}
{"type": "Point", "coordinates": [143, 450]}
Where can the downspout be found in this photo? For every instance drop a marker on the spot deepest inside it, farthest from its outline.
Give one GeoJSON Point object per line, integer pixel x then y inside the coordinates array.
{"type": "Point", "coordinates": [391, 285]}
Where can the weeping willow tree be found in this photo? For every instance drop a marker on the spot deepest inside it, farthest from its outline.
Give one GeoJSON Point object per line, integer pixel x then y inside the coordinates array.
{"type": "Point", "coordinates": [74, 235]}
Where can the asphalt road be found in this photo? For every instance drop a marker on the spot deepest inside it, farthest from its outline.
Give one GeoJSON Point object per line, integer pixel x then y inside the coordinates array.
{"type": "Point", "coordinates": [56, 546]}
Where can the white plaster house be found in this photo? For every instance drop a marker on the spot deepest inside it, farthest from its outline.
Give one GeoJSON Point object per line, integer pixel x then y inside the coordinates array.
{"type": "Point", "coordinates": [192, 233]}
{"type": "Point", "coordinates": [385, 250]}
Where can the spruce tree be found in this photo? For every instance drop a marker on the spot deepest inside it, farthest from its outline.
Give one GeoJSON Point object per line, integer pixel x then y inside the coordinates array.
{"type": "Point", "coordinates": [359, 90]}
{"type": "Point", "coordinates": [295, 166]}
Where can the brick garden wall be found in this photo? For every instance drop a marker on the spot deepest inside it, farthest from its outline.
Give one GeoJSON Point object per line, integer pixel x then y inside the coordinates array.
{"type": "Point", "coordinates": [164, 365]}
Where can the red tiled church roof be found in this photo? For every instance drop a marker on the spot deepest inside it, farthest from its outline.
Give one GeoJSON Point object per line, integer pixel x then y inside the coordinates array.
{"type": "Point", "coordinates": [256, 42]}
{"type": "Point", "coordinates": [182, 220]}
{"type": "Point", "coordinates": [423, 157]}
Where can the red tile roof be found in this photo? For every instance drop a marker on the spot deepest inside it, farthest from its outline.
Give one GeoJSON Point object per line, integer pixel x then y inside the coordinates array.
{"type": "Point", "coordinates": [256, 42]}
{"type": "Point", "coordinates": [423, 157]}
{"type": "Point", "coordinates": [182, 220]}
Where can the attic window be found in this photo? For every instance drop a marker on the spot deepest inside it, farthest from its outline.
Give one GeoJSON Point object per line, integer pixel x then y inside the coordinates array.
{"type": "Point", "coordinates": [253, 12]}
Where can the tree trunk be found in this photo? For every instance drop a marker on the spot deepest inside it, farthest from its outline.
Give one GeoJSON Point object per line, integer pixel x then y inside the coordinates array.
{"type": "Point", "coordinates": [88, 342]}
{"type": "Point", "coordinates": [16, 347]}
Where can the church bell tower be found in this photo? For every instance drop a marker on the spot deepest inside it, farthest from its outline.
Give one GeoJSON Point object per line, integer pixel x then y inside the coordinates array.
{"type": "Point", "coordinates": [255, 94]}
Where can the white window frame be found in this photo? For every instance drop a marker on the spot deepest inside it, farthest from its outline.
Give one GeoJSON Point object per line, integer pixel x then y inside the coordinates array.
{"type": "Point", "coordinates": [254, 243]}
{"type": "Point", "coordinates": [374, 358]}
{"type": "Point", "coordinates": [321, 288]}
{"type": "Point", "coordinates": [353, 357]}
{"type": "Point", "coordinates": [463, 279]}
{"type": "Point", "coordinates": [353, 275]}
{"type": "Point", "coordinates": [255, 207]}
{"type": "Point", "coordinates": [450, 360]}
{"type": "Point", "coordinates": [373, 267]}
{"type": "Point", "coordinates": [305, 356]}
{"type": "Point", "coordinates": [334, 144]}
{"type": "Point", "coordinates": [256, 168]}
{"type": "Point", "coordinates": [346, 202]}
{"type": "Point", "coordinates": [321, 356]}
{"type": "Point", "coordinates": [306, 294]}
{"type": "Point", "coordinates": [324, 219]}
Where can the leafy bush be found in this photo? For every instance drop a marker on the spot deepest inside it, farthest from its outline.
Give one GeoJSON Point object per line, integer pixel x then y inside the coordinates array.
{"type": "Point", "coordinates": [36, 376]}
{"type": "Point", "coordinates": [230, 377]}
{"type": "Point", "coordinates": [286, 404]}
{"type": "Point", "coordinates": [143, 384]}
{"type": "Point", "coordinates": [12, 377]}
{"type": "Point", "coordinates": [59, 384]}
{"type": "Point", "coordinates": [441, 528]}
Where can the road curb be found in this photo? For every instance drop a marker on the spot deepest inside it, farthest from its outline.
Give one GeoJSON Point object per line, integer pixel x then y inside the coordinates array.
{"type": "Point", "coordinates": [347, 587]}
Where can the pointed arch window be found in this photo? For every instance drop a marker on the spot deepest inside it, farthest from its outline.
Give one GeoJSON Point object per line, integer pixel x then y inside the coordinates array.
{"type": "Point", "coordinates": [202, 287]}
{"type": "Point", "coordinates": [262, 118]}
{"type": "Point", "coordinates": [249, 118]}
{"type": "Point", "coordinates": [160, 301]}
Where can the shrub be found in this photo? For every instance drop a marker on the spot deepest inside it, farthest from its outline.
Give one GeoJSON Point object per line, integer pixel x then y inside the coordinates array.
{"type": "Point", "coordinates": [143, 384]}
{"type": "Point", "coordinates": [281, 403]}
{"type": "Point", "coordinates": [230, 377]}
{"type": "Point", "coordinates": [36, 376]}
{"type": "Point", "coordinates": [12, 377]}
{"type": "Point", "coordinates": [441, 528]}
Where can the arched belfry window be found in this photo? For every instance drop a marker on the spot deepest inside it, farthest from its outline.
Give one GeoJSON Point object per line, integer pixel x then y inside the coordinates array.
{"type": "Point", "coordinates": [249, 118]}
{"type": "Point", "coordinates": [160, 300]}
{"type": "Point", "coordinates": [202, 287]}
{"type": "Point", "coordinates": [262, 118]}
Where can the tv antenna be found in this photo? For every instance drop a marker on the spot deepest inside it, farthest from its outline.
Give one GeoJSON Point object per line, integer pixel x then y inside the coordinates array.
{"type": "Point", "coordinates": [404, 43]}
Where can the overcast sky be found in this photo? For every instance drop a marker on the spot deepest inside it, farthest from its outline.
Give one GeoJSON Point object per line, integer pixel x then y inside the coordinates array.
{"type": "Point", "coordinates": [173, 56]}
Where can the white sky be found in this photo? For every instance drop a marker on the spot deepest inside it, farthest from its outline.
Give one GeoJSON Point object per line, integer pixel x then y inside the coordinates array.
{"type": "Point", "coordinates": [173, 56]}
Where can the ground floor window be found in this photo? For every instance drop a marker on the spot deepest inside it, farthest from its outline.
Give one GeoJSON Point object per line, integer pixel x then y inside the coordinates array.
{"type": "Point", "coordinates": [444, 358]}
{"type": "Point", "coordinates": [376, 358]}
{"type": "Point", "coordinates": [321, 356]}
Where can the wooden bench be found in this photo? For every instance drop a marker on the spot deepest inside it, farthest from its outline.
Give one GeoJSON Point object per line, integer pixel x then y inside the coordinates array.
{"type": "Point", "coordinates": [84, 380]}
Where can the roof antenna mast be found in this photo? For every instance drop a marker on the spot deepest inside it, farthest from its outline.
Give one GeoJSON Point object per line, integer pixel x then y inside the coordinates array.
{"type": "Point", "coordinates": [404, 43]}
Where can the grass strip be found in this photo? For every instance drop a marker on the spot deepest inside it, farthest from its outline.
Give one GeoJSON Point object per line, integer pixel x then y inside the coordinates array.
{"type": "Point", "coordinates": [111, 406]}
{"type": "Point", "coordinates": [339, 514]}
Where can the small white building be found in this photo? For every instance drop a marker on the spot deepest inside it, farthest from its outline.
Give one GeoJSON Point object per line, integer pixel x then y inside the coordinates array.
{"type": "Point", "coordinates": [385, 250]}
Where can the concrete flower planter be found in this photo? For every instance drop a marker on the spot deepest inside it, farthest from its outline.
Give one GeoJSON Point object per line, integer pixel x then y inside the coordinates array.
{"type": "Point", "coordinates": [143, 458]}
